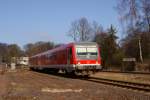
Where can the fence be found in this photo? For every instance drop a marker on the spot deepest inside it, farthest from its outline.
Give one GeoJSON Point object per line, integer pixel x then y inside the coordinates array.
{"type": "Point", "coordinates": [3, 68]}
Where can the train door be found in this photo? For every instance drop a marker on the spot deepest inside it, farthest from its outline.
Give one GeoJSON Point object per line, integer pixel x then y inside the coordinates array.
{"type": "Point", "coordinates": [69, 55]}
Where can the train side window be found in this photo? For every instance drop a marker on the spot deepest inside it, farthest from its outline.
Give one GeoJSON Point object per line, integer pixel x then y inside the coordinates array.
{"type": "Point", "coordinates": [49, 56]}
{"type": "Point", "coordinates": [54, 56]}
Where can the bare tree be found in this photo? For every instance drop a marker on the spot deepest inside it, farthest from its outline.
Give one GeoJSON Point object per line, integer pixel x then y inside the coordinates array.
{"type": "Point", "coordinates": [3, 52]}
{"type": "Point", "coordinates": [38, 47]}
{"type": "Point", "coordinates": [73, 32]}
{"type": "Point", "coordinates": [133, 13]}
{"type": "Point", "coordinates": [80, 30]}
{"type": "Point", "coordinates": [129, 14]}
{"type": "Point", "coordinates": [146, 11]}
{"type": "Point", "coordinates": [96, 28]}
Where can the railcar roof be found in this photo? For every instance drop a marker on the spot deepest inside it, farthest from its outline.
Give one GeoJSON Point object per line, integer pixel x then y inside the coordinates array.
{"type": "Point", "coordinates": [84, 43]}
{"type": "Point", "coordinates": [52, 50]}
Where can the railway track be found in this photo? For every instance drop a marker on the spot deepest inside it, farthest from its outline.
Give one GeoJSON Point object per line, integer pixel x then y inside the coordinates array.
{"type": "Point", "coordinates": [122, 84]}
{"type": "Point", "coordinates": [128, 72]}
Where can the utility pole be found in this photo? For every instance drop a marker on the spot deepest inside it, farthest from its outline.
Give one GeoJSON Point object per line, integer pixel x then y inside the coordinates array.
{"type": "Point", "coordinates": [141, 57]}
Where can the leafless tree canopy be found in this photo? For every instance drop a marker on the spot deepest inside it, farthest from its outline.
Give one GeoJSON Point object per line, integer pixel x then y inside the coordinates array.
{"type": "Point", "coordinates": [38, 47]}
{"type": "Point", "coordinates": [134, 13]}
{"type": "Point", "coordinates": [8, 51]}
{"type": "Point", "coordinates": [82, 30]}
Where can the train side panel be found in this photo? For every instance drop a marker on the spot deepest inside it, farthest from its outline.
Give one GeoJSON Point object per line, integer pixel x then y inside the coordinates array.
{"type": "Point", "coordinates": [58, 59]}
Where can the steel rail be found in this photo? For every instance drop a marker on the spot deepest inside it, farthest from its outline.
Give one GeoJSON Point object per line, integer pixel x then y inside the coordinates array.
{"type": "Point", "coordinates": [122, 84]}
{"type": "Point", "coordinates": [128, 72]}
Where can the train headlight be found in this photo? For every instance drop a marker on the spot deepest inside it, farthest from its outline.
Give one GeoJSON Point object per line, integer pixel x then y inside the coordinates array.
{"type": "Point", "coordinates": [96, 62]}
{"type": "Point", "coordinates": [79, 63]}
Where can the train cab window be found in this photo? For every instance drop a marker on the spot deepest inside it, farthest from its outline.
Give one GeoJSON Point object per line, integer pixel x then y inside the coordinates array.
{"type": "Point", "coordinates": [81, 51]}
{"type": "Point", "coordinates": [87, 52]}
{"type": "Point", "coordinates": [92, 51]}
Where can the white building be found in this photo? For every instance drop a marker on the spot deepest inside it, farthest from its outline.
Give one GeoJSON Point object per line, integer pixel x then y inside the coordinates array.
{"type": "Point", "coordinates": [22, 61]}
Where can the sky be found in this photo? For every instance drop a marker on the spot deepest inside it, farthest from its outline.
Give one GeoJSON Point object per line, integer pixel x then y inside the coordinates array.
{"type": "Point", "coordinates": [29, 21]}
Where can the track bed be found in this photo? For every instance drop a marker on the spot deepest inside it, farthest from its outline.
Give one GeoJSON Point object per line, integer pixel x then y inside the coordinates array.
{"type": "Point", "coordinates": [30, 85]}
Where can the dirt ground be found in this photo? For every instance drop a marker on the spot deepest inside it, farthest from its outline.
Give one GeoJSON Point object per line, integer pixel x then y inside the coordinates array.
{"type": "Point", "coordinates": [30, 85]}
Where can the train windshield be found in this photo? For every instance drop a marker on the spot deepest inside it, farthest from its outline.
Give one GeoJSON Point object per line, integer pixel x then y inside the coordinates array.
{"type": "Point", "coordinates": [87, 52]}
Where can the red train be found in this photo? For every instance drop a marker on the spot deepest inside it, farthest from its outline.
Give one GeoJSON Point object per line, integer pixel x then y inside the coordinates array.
{"type": "Point", "coordinates": [79, 58]}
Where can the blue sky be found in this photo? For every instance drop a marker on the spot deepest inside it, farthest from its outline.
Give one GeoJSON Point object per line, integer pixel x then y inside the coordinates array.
{"type": "Point", "coordinates": [27, 21]}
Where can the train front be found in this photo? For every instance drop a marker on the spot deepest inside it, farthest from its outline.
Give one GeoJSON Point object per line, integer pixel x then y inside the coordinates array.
{"type": "Point", "coordinates": [88, 59]}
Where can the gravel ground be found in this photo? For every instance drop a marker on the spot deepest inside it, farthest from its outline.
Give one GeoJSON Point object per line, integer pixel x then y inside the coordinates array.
{"type": "Point", "coordinates": [29, 85]}
{"type": "Point", "coordinates": [138, 78]}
